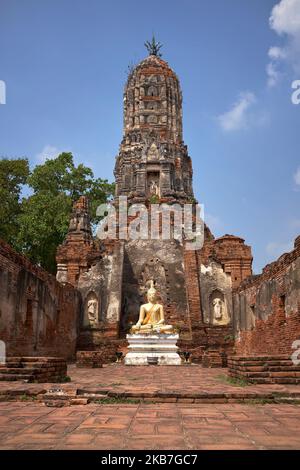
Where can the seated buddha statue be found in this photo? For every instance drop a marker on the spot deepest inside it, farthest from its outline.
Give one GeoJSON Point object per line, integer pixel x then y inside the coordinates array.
{"type": "Point", "coordinates": [151, 317]}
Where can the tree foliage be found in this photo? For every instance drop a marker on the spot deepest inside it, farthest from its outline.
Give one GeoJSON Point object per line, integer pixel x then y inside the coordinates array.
{"type": "Point", "coordinates": [13, 175]}
{"type": "Point", "coordinates": [43, 217]}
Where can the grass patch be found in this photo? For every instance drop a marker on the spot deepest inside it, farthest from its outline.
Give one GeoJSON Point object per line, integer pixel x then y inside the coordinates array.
{"type": "Point", "coordinates": [28, 397]}
{"type": "Point", "coordinates": [116, 400]}
{"type": "Point", "coordinates": [64, 379]}
{"type": "Point", "coordinates": [258, 401]}
{"type": "Point", "coordinates": [234, 381]}
{"type": "Point", "coordinates": [269, 401]}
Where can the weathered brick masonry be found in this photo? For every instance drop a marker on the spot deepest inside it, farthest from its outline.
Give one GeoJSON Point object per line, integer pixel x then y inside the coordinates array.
{"type": "Point", "coordinates": [34, 369]}
{"type": "Point", "coordinates": [38, 315]}
{"type": "Point", "coordinates": [267, 308]}
{"type": "Point", "coordinates": [232, 253]}
{"type": "Point", "coordinates": [90, 359]}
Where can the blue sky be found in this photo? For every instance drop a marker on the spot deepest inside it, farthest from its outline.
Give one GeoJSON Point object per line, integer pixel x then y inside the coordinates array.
{"type": "Point", "coordinates": [64, 64]}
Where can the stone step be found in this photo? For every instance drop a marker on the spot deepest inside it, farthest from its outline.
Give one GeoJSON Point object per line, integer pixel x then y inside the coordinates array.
{"type": "Point", "coordinates": [256, 374]}
{"type": "Point", "coordinates": [277, 357]}
{"type": "Point", "coordinates": [287, 365]}
{"type": "Point", "coordinates": [166, 397]}
{"type": "Point", "coordinates": [43, 367]}
{"type": "Point", "coordinates": [37, 369]}
{"type": "Point", "coordinates": [13, 359]}
{"type": "Point", "coordinates": [15, 377]}
{"type": "Point", "coordinates": [250, 368]}
{"type": "Point", "coordinates": [259, 363]}
{"type": "Point", "coordinates": [41, 359]}
{"type": "Point", "coordinates": [260, 380]}
{"type": "Point", "coordinates": [286, 374]}
{"type": "Point", "coordinates": [282, 380]}
{"type": "Point", "coordinates": [16, 371]}
{"type": "Point", "coordinates": [11, 364]}
{"type": "Point", "coordinates": [256, 380]}
{"type": "Point", "coordinates": [284, 368]}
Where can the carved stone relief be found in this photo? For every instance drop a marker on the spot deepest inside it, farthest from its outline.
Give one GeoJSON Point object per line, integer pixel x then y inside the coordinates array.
{"type": "Point", "coordinates": [219, 314]}
{"type": "Point", "coordinates": [153, 184]}
{"type": "Point", "coordinates": [91, 310]}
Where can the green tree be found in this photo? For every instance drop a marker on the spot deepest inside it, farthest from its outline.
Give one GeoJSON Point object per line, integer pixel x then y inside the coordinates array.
{"type": "Point", "coordinates": [44, 217]}
{"type": "Point", "coordinates": [13, 175]}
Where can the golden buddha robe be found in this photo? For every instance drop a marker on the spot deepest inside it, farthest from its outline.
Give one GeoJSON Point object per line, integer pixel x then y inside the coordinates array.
{"type": "Point", "coordinates": [151, 315]}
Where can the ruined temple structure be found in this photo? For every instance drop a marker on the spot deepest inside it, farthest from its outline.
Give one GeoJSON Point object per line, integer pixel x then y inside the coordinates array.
{"type": "Point", "coordinates": [208, 294]}
{"type": "Point", "coordinates": [153, 165]}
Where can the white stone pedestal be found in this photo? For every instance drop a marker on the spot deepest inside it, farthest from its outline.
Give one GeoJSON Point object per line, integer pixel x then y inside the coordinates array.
{"type": "Point", "coordinates": [142, 346]}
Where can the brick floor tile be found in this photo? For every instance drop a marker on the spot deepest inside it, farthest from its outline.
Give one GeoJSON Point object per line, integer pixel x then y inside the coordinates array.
{"type": "Point", "coordinates": [169, 429]}
{"type": "Point", "coordinates": [78, 439]}
{"type": "Point", "coordinates": [142, 428]}
{"type": "Point", "coordinates": [109, 442]}
{"type": "Point", "coordinates": [157, 442]}
{"type": "Point", "coordinates": [148, 426]}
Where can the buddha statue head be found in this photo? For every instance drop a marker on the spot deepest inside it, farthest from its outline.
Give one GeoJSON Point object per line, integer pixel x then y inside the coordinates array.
{"type": "Point", "coordinates": [152, 293]}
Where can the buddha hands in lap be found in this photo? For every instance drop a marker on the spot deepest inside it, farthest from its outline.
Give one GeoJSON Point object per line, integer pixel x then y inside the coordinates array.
{"type": "Point", "coordinates": [151, 317]}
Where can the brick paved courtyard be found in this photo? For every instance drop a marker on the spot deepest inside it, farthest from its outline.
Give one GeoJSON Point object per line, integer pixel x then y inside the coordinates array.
{"type": "Point", "coordinates": [149, 426]}
{"type": "Point", "coordinates": [182, 423]}
{"type": "Point", "coordinates": [167, 381]}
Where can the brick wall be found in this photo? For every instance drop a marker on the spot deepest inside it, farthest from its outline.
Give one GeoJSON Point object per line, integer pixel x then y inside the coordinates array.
{"type": "Point", "coordinates": [267, 308]}
{"type": "Point", "coordinates": [232, 253]}
{"type": "Point", "coordinates": [38, 315]}
{"type": "Point", "coordinates": [75, 255]}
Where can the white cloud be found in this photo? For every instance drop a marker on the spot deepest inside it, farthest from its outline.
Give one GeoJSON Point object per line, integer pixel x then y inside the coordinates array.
{"type": "Point", "coordinates": [285, 17]}
{"type": "Point", "coordinates": [276, 53]}
{"type": "Point", "coordinates": [285, 21]}
{"type": "Point", "coordinates": [48, 153]}
{"type": "Point", "coordinates": [237, 117]}
{"type": "Point", "coordinates": [277, 249]}
{"type": "Point", "coordinates": [297, 176]}
{"type": "Point", "coordinates": [273, 74]}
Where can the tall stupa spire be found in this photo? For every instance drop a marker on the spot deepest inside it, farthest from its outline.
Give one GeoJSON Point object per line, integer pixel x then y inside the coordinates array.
{"type": "Point", "coordinates": [153, 162]}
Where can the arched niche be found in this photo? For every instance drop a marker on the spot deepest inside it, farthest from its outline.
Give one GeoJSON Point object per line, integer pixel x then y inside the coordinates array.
{"type": "Point", "coordinates": [153, 153]}
{"type": "Point", "coordinates": [91, 310]}
{"type": "Point", "coordinates": [154, 270]}
{"type": "Point", "coordinates": [218, 308]}
{"type": "Point", "coordinates": [152, 91]}
{"type": "Point", "coordinates": [153, 183]}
